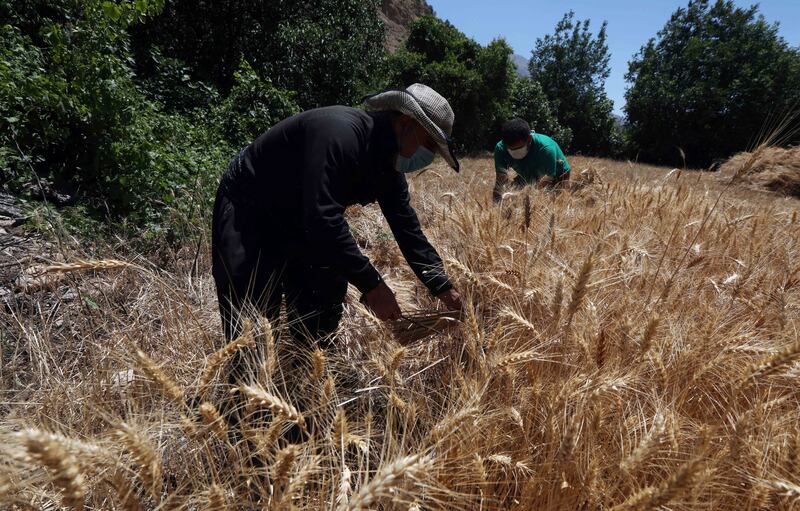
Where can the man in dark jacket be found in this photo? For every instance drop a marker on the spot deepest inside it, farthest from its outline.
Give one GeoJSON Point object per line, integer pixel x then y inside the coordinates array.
{"type": "Point", "coordinates": [278, 226]}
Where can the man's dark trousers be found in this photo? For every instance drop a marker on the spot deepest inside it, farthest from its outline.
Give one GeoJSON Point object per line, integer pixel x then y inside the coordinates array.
{"type": "Point", "coordinates": [255, 264]}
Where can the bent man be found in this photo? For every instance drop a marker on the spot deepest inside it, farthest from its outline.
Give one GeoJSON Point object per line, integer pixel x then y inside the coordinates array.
{"type": "Point", "coordinates": [278, 225]}
{"type": "Point", "coordinates": [536, 158]}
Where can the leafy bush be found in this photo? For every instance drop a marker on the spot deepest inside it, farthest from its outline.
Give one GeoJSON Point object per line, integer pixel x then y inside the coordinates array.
{"type": "Point", "coordinates": [328, 53]}
{"type": "Point", "coordinates": [477, 81]}
{"type": "Point", "coordinates": [72, 111]}
{"type": "Point", "coordinates": [34, 117]}
{"type": "Point", "coordinates": [253, 105]}
{"type": "Point", "coordinates": [168, 81]}
{"type": "Point", "coordinates": [531, 103]}
{"type": "Point", "coordinates": [709, 82]}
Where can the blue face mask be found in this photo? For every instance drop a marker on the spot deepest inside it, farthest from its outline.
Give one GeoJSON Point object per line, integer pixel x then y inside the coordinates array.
{"type": "Point", "coordinates": [421, 158]}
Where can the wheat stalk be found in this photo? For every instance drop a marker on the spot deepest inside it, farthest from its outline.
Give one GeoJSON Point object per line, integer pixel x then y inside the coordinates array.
{"type": "Point", "coordinates": [82, 265]}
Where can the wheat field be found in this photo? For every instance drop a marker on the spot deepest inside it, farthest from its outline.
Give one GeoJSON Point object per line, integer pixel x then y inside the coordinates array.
{"type": "Point", "coordinates": [631, 344]}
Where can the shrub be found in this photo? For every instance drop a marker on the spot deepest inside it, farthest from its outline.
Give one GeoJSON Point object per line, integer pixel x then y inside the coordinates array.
{"type": "Point", "coordinates": [253, 105]}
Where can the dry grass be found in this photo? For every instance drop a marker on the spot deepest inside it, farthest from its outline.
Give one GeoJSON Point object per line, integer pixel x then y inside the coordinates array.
{"type": "Point", "coordinates": [630, 345]}
{"type": "Point", "coordinates": [775, 169]}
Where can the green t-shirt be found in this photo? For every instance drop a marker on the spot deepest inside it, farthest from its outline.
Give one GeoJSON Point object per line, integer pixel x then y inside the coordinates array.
{"type": "Point", "coordinates": [544, 158]}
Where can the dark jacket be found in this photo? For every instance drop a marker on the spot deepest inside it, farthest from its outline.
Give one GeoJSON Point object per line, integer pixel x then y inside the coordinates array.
{"type": "Point", "coordinates": [304, 171]}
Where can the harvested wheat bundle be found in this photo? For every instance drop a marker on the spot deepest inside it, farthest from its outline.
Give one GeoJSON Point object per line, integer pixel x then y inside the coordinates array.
{"type": "Point", "coordinates": [413, 327]}
{"type": "Point", "coordinates": [775, 169]}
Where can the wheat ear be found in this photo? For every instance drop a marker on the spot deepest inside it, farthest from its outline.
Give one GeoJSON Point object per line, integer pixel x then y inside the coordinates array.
{"type": "Point", "coordinates": [219, 357]}
{"type": "Point", "coordinates": [654, 496]}
{"type": "Point", "coordinates": [125, 492]}
{"type": "Point", "coordinates": [216, 498]}
{"type": "Point", "coordinates": [214, 421]}
{"type": "Point", "coordinates": [62, 465]}
{"type": "Point", "coordinates": [579, 291]}
{"type": "Point", "coordinates": [453, 422]}
{"type": "Point", "coordinates": [343, 497]}
{"type": "Point", "coordinates": [261, 397]}
{"type": "Point", "coordinates": [388, 479]}
{"type": "Point", "coordinates": [167, 385]}
{"type": "Point", "coordinates": [81, 265]}
{"type": "Point", "coordinates": [773, 363]}
{"type": "Point", "coordinates": [148, 463]}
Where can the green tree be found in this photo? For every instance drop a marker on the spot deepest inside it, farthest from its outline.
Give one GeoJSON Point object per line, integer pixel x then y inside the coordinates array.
{"type": "Point", "coordinates": [531, 103]}
{"type": "Point", "coordinates": [477, 81]}
{"type": "Point", "coordinates": [572, 65]}
{"type": "Point", "coordinates": [709, 82]}
{"type": "Point", "coordinates": [328, 52]}
{"type": "Point", "coordinates": [253, 104]}
{"type": "Point", "coordinates": [72, 111]}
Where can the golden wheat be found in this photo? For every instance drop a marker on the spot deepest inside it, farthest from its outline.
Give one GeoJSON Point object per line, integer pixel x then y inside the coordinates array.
{"type": "Point", "coordinates": [628, 344]}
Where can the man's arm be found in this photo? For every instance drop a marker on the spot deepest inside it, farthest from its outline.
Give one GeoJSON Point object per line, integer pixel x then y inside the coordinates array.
{"type": "Point", "coordinates": [501, 173]}
{"type": "Point", "coordinates": [423, 259]}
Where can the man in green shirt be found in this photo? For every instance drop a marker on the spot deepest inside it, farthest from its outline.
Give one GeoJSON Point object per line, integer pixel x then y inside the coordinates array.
{"type": "Point", "coordinates": [535, 158]}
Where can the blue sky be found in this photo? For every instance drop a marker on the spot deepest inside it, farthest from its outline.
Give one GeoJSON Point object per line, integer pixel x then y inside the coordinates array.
{"type": "Point", "coordinates": [630, 24]}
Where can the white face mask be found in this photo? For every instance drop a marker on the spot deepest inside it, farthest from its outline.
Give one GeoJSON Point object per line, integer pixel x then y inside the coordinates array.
{"type": "Point", "coordinates": [421, 158]}
{"type": "Point", "coordinates": [519, 153]}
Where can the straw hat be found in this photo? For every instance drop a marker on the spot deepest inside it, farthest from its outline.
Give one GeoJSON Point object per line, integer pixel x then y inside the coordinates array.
{"type": "Point", "coordinates": [427, 107]}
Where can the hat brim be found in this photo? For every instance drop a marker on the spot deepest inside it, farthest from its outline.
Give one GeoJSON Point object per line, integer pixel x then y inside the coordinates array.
{"type": "Point", "coordinates": [405, 102]}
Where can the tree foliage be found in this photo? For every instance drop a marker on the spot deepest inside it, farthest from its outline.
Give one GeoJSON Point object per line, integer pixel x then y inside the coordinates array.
{"type": "Point", "coordinates": [477, 81]}
{"type": "Point", "coordinates": [530, 103]}
{"type": "Point", "coordinates": [709, 82]}
{"type": "Point", "coordinates": [572, 65]}
{"type": "Point", "coordinates": [130, 103]}
{"type": "Point", "coordinates": [253, 103]}
{"type": "Point", "coordinates": [329, 52]}
{"type": "Point", "coordinates": [71, 111]}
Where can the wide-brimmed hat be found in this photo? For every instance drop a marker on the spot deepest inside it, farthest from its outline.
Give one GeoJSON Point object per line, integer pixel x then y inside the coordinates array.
{"type": "Point", "coordinates": [427, 107]}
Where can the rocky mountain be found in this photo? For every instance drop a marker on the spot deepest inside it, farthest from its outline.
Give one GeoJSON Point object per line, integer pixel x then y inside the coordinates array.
{"type": "Point", "coordinates": [521, 63]}
{"type": "Point", "coordinates": [398, 16]}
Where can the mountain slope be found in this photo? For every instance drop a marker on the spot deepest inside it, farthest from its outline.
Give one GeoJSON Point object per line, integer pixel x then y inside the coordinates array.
{"type": "Point", "coordinates": [398, 16]}
{"type": "Point", "coordinates": [521, 63]}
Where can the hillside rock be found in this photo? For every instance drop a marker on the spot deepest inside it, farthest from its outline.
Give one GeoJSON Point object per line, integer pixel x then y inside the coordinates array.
{"type": "Point", "coordinates": [398, 16]}
{"type": "Point", "coordinates": [521, 64]}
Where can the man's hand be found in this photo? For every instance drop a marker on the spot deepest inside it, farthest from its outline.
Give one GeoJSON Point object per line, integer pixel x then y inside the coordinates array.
{"type": "Point", "coordinates": [382, 303]}
{"type": "Point", "coordinates": [546, 182]}
{"type": "Point", "coordinates": [499, 186]}
{"type": "Point", "coordinates": [452, 299]}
